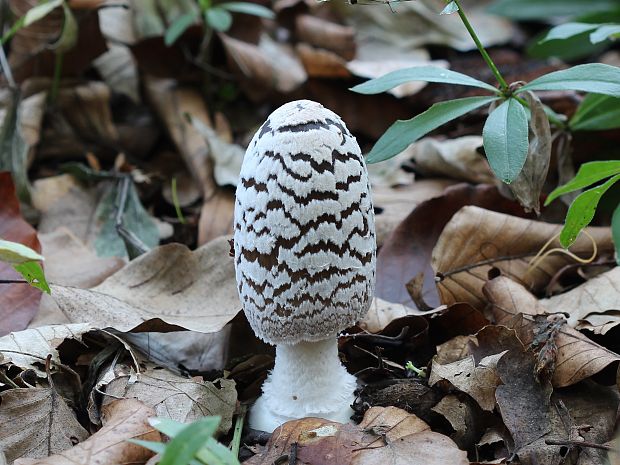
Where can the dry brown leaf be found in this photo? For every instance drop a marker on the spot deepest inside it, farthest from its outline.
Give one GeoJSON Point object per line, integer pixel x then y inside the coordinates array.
{"type": "Point", "coordinates": [386, 435]}
{"type": "Point", "coordinates": [119, 70]}
{"type": "Point", "coordinates": [122, 419]}
{"type": "Point", "coordinates": [18, 302]}
{"type": "Point", "coordinates": [476, 240]}
{"type": "Point", "coordinates": [407, 251]}
{"type": "Point", "coordinates": [28, 349]}
{"type": "Point", "coordinates": [454, 158]}
{"type": "Point", "coordinates": [265, 67]}
{"type": "Point", "coordinates": [464, 416]}
{"type": "Point", "coordinates": [168, 288]}
{"type": "Point", "coordinates": [172, 102]}
{"type": "Point", "coordinates": [321, 63]}
{"type": "Point", "coordinates": [36, 422]}
{"type": "Point", "coordinates": [327, 35]}
{"type": "Point", "coordinates": [529, 184]}
{"type": "Point", "coordinates": [172, 396]}
{"type": "Point", "coordinates": [577, 356]}
{"type": "Point", "coordinates": [216, 215]}
{"type": "Point", "coordinates": [478, 380]}
{"type": "Point", "coordinates": [393, 204]}
{"type": "Point", "coordinates": [592, 305]}
{"type": "Point", "coordinates": [382, 313]}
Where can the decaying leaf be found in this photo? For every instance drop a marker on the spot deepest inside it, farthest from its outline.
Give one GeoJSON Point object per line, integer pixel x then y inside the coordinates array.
{"type": "Point", "coordinates": [36, 422]}
{"type": "Point", "coordinates": [18, 302]}
{"type": "Point", "coordinates": [28, 349]}
{"type": "Point", "coordinates": [166, 289]}
{"type": "Point", "coordinates": [476, 240]}
{"type": "Point", "coordinates": [387, 435]}
{"type": "Point", "coordinates": [175, 397]}
{"type": "Point", "coordinates": [122, 419]}
{"type": "Point", "coordinates": [327, 35]}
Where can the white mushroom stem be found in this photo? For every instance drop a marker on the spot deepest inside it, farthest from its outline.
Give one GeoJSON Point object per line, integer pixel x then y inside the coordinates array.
{"type": "Point", "coordinates": [308, 380]}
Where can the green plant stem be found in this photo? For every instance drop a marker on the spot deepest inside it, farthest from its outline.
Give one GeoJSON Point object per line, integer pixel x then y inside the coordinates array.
{"type": "Point", "coordinates": [236, 440]}
{"type": "Point", "coordinates": [500, 79]}
{"type": "Point", "coordinates": [57, 73]}
{"type": "Point", "coordinates": [175, 201]}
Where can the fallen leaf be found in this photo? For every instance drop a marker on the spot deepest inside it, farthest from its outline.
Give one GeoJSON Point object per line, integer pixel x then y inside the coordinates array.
{"type": "Point", "coordinates": [407, 251]}
{"type": "Point", "coordinates": [476, 240]}
{"type": "Point", "coordinates": [168, 288]}
{"type": "Point", "coordinates": [321, 33]}
{"type": "Point", "coordinates": [479, 380]}
{"type": "Point", "coordinates": [122, 419]}
{"type": "Point", "coordinates": [321, 63]}
{"type": "Point", "coordinates": [577, 357]}
{"type": "Point", "coordinates": [464, 417]}
{"type": "Point", "coordinates": [595, 301]}
{"type": "Point", "coordinates": [382, 313]}
{"type": "Point", "coordinates": [36, 422]}
{"type": "Point", "coordinates": [18, 302]}
{"type": "Point", "coordinates": [119, 70]}
{"type": "Point", "coordinates": [216, 215]}
{"type": "Point", "coordinates": [28, 349]}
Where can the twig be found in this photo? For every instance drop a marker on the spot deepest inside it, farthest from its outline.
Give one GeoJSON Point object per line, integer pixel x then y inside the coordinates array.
{"type": "Point", "coordinates": [292, 457]}
{"type": "Point", "coordinates": [13, 281]}
{"type": "Point", "coordinates": [568, 442]}
{"type": "Point", "coordinates": [6, 68]}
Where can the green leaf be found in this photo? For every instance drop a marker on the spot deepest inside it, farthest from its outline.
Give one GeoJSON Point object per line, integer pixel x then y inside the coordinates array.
{"type": "Point", "coordinates": [537, 9]}
{"type": "Point", "coordinates": [13, 146]}
{"type": "Point", "coordinates": [218, 18]}
{"type": "Point", "coordinates": [178, 27]}
{"type": "Point", "coordinates": [253, 9]}
{"type": "Point", "coordinates": [190, 440]}
{"type": "Point", "coordinates": [418, 73]}
{"type": "Point", "coordinates": [14, 252]}
{"type": "Point", "coordinates": [582, 210]}
{"type": "Point", "coordinates": [615, 232]}
{"type": "Point", "coordinates": [40, 11]}
{"type": "Point", "coordinates": [215, 453]}
{"type": "Point", "coordinates": [588, 174]}
{"type": "Point", "coordinates": [605, 32]}
{"type": "Point", "coordinates": [505, 139]}
{"type": "Point", "coordinates": [596, 113]}
{"type": "Point", "coordinates": [564, 31]}
{"type": "Point", "coordinates": [597, 78]}
{"type": "Point", "coordinates": [68, 36]}
{"type": "Point", "coordinates": [33, 273]}
{"type": "Point", "coordinates": [569, 49]}
{"type": "Point", "coordinates": [450, 8]}
{"type": "Point", "coordinates": [404, 132]}
{"type": "Point", "coordinates": [157, 447]}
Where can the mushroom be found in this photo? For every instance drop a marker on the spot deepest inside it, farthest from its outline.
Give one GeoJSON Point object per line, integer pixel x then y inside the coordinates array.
{"type": "Point", "coordinates": [305, 253]}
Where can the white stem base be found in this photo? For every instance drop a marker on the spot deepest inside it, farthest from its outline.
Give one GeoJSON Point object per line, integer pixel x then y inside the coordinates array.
{"type": "Point", "coordinates": [308, 380]}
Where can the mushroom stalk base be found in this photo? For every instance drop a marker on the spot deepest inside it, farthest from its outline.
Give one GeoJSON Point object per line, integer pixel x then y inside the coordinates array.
{"type": "Point", "coordinates": [308, 380]}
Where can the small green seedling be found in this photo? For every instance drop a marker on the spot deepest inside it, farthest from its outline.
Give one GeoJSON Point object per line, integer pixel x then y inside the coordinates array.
{"type": "Point", "coordinates": [26, 262]}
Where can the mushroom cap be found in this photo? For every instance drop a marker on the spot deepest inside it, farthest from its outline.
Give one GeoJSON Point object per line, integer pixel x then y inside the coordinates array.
{"type": "Point", "coordinates": [305, 248]}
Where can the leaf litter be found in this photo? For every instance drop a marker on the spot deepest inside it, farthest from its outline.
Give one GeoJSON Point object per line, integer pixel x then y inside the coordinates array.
{"type": "Point", "coordinates": [479, 347]}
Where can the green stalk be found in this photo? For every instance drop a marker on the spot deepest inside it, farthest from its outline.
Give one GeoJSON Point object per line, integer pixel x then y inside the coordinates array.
{"type": "Point", "coordinates": [500, 79]}
{"type": "Point", "coordinates": [236, 440]}
{"type": "Point", "coordinates": [57, 73]}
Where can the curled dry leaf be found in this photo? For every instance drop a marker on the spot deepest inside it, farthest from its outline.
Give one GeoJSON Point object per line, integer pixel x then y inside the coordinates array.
{"type": "Point", "coordinates": [321, 63]}
{"type": "Point", "coordinates": [464, 416]}
{"type": "Point", "coordinates": [593, 305]}
{"type": "Point", "coordinates": [478, 380]}
{"type": "Point", "coordinates": [577, 357]}
{"type": "Point", "coordinates": [122, 420]}
{"type": "Point", "coordinates": [168, 288]}
{"type": "Point", "coordinates": [382, 313]}
{"type": "Point", "coordinates": [28, 349]}
{"type": "Point", "coordinates": [529, 184]}
{"type": "Point", "coordinates": [266, 67]}
{"type": "Point", "coordinates": [407, 251]}
{"type": "Point", "coordinates": [327, 35]}
{"type": "Point", "coordinates": [18, 302]}
{"type": "Point", "coordinates": [175, 397]}
{"type": "Point", "coordinates": [36, 422]}
{"type": "Point", "coordinates": [386, 435]}
{"type": "Point", "coordinates": [453, 158]}
{"type": "Point", "coordinates": [476, 240]}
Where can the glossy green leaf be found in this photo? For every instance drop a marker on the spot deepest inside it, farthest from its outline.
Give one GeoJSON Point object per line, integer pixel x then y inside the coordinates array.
{"type": "Point", "coordinates": [218, 18]}
{"type": "Point", "coordinates": [418, 73]}
{"type": "Point", "coordinates": [33, 273]}
{"type": "Point", "coordinates": [566, 30]}
{"type": "Point", "coordinates": [582, 210]}
{"type": "Point", "coordinates": [40, 11]}
{"type": "Point", "coordinates": [605, 32]}
{"type": "Point", "coordinates": [537, 9]}
{"type": "Point", "coordinates": [404, 132]}
{"type": "Point", "coordinates": [450, 8]}
{"type": "Point", "coordinates": [190, 440]}
{"type": "Point", "coordinates": [14, 252]}
{"type": "Point", "coordinates": [588, 174]}
{"type": "Point", "coordinates": [596, 113]}
{"type": "Point", "coordinates": [597, 78]}
{"type": "Point", "coordinates": [247, 8]}
{"type": "Point", "coordinates": [615, 232]}
{"type": "Point", "coordinates": [505, 139]}
{"type": "Point", "coordinates": [178, 27]}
